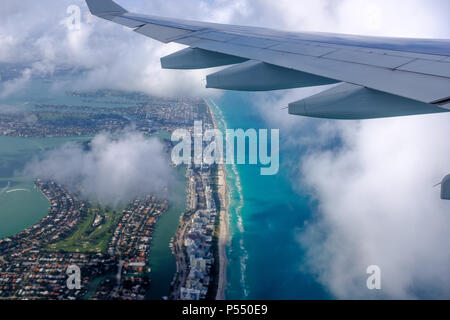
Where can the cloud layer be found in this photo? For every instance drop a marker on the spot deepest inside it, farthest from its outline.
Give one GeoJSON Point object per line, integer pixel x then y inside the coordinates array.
{"type": "Point", "coordinates": [377, 206]}
{"type": "Point", "coordinates": [115, 171]}
{"type": "Point", "coordinates": [108, 55]}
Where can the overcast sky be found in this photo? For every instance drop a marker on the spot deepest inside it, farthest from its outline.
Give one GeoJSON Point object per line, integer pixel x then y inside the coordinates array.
{"type": "Point", "coordinates": [376, 204]}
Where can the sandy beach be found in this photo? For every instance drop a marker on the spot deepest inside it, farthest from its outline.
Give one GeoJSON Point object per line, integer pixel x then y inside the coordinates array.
{"type": "Point", "coordinates": [224, 236]}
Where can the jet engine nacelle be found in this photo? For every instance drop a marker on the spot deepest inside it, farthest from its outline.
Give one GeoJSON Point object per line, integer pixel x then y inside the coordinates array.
{"type": "Point", "coordinates": [260, 76]}
{"type": "Point", "coordinates": [194, 58]}
{"type": "Point", "coordinates": [349, 101]}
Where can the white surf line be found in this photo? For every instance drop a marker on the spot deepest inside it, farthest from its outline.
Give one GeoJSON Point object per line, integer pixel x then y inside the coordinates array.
{"type": "Point", "coordinates": [237, 211]}
{"type": "Point", "coordinates": [16, 190]}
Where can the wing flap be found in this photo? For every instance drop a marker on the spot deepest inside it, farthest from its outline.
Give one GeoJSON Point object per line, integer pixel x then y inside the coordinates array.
{"type": "Point", "coordinates": [348, 101]}
{"type": "Point", "coordinates": [304, 49]}
{"type": "Point", "coordinates": [167, 22]}
{"type": "Point", "coordinates": [254, 42]}
{"type": "Point", "coordinates": [217, 36]}
{"type": "Point", "coordinates": [371, 59]}
{"type": "Point", "coordinates": [130, 23]}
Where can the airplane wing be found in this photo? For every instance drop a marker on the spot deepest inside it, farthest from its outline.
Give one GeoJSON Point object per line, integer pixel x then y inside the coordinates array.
{"type": "Point", "coordinates": [375, 77]}
{"type": "Point", "coordinates": [445, 188]}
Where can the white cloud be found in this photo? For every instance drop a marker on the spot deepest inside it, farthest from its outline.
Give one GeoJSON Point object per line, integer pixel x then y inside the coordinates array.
{"type": "Point", "coordinates": [376, 204]}
{"type": "Point", "coordinates": [12, 86]}
{"type": "Point", "coordinates": [114, 171]}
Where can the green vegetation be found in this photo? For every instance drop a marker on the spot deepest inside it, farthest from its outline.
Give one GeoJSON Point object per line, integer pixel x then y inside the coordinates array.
{"type": "Point", "coordinates": [93, 285]}
{"type": "Point", "coordinates": [90, 238]}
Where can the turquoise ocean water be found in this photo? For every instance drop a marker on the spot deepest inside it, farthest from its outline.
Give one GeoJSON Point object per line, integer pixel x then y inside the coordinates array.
{"type": "Point", "coordinates": [266, 260]}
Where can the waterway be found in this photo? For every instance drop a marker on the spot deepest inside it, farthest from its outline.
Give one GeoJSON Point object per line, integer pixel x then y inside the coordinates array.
{"type": "Point", "coordinates": [162, 261]}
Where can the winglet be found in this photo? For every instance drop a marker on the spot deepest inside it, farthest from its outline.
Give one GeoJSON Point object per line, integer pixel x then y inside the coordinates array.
{"type": "Point", "coordinates": [104, 8]}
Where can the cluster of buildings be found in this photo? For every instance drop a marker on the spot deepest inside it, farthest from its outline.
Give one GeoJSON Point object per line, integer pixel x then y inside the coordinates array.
{"type": "Point", "coordinates": [179, 113]}
{"type": "Point", "coordinates": [48, 124]}
{"type": "Point", "coordinates": [30, 270]}
{"type": "Point", "coordinates": [95, 114]}
{"type": "Point", "coordinates": [194, 244]}
{"type": "Point", "coordinates": [130, 244]}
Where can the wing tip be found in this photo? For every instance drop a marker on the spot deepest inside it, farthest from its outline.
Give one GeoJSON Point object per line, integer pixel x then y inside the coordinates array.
{"type": "Point", "coordinates": [104, 7]}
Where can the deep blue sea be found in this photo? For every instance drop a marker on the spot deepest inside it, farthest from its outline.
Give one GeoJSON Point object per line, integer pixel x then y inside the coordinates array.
{"type": "Point", "coordinates": [266, 260]}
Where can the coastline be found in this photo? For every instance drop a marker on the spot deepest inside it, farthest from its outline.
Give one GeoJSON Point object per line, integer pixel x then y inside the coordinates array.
{"type": "Point", "coordinates": [223, 237]}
